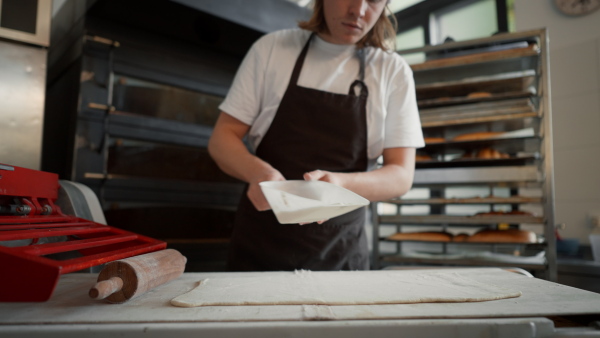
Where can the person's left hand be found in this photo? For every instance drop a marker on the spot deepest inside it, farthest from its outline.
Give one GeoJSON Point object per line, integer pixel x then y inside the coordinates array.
{"type": "Point", "coordinates": [320, 175]}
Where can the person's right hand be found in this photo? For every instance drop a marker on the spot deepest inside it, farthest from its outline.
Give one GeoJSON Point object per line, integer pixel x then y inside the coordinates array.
{"type": "Point", "coordinates": [255, 193]}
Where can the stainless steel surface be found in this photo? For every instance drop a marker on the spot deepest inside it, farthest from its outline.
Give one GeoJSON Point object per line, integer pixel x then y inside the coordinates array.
{"type": "Point", "coordinates": [579, 273]}
{"type": "Point", "coordinates": [70, 303]}
{"type": "Point", "coordinates": [42, 30]}
{"type": "Point", "coordinates": [22, 93]}
{"type": "Point", "coordinates": [70, 312]}
{"type": "Point", "coordinates": [466, 328]}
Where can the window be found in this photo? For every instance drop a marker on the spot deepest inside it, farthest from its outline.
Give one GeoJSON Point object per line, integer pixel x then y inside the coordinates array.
{"type": "Point", "coordinates": [436, 20]}
{"type": "Point", "coordinates": [412, 38]}
{"type": "Point", "coordinates": [398, 5]}
{"type": "Point", "coordinates": [464, 20]}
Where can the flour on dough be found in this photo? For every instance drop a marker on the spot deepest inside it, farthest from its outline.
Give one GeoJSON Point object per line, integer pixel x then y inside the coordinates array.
{"type": "Point", "coordinates": [342, 288]}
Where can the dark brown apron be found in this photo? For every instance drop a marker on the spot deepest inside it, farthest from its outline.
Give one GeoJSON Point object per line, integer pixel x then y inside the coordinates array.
{"type": "Point", "coordinates": [312, 129]}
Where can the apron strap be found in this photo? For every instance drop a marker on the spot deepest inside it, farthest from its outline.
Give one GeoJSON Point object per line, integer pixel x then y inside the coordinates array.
{"type": "Point", "coordinates": [360, 53]}
{"type": "Point", "coordinates": [364, 92]}
{"type": "Point", "coordinates": [299, 63]}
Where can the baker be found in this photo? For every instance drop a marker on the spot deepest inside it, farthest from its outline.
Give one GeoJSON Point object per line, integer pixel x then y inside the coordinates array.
{"type": "Point", "coordinates": [319, 102]}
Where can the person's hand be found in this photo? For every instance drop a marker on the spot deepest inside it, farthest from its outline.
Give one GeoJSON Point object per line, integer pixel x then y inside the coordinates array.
{"type": "Point", "coordinates": [322, 175]}
{"type": "Point", "coordinates": [255, 193]}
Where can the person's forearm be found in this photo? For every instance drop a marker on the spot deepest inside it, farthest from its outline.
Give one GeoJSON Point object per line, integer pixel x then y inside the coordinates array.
{"type": "Point", "coordinates": [393, 179]}
{"type": "Point", "coordinates": [234, 159]}
{"type": "Point", "coordinates": [380, 184]}
{"type": "Point", "coordinates": [231, 155]}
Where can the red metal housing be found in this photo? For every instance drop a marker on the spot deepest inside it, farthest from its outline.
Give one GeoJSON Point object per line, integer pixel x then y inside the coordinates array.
{"type": "Point", "coordinates": [28, 213]}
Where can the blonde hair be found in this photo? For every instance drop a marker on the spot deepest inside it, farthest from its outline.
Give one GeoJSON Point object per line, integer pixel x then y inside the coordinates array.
{"type": "Point", "coordinates": [382, 35]}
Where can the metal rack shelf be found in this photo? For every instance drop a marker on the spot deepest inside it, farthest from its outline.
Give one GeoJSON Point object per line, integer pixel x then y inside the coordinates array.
{"type": "Point", "coordinates": [477, 175]}
{"type": "Point", "coordinates": [468, 162]}
{"type": "Point", "coordinates": [460, 220]}
{"type": "Point", "coordinates": [516, 87]}
{"type": "Point", "coordinates": [449, 260]}
{"type": "Point", "coordinates": [478, 113]}
{"type": "Point", "coordinates": [484, 57]}
{"type": "Point", "coordinates": [475, 200]}
{"type": "Point", "coordinates": [464, 243]}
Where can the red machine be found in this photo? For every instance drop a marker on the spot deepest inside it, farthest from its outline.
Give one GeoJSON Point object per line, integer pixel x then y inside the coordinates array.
{"type": "Point", "coordinates": [28, 213]}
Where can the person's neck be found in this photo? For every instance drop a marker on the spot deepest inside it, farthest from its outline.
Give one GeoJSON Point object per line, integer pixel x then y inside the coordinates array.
{"type": "Point", "coordinates": [327, 38]}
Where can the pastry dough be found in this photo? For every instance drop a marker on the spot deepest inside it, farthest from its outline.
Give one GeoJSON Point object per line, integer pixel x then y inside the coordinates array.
{"type": "Point", "coordinates": [478, 95]}
{"type": "Point", "coordinates": [485, 153]}
{"type": "Point", "coordinates": [483, 236]}
{"type": "Point", "coordinates": [480, 135]}
{"type": "Point", "coordinates": [342, 288]}
{"type": "Point", "coordinates": [428, 236]}
{"type": "Point", "coordinates": [503, 236]}
{"type": "Point", "coordinates": [490, 153]}
{"type": "Point", "coordinates": [460, 238]}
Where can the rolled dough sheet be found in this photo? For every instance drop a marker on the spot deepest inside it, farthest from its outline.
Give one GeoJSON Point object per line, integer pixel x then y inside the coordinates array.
{"type": "Point", "coordinates": [304, 287]}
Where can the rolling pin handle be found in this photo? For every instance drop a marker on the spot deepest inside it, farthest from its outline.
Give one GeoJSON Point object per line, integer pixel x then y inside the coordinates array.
{"type": "Point", "coordinates": [106, 288]}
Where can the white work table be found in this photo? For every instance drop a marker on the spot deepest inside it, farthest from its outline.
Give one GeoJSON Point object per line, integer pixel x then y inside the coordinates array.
{"type": "Point", "coordinates": [70, 312]}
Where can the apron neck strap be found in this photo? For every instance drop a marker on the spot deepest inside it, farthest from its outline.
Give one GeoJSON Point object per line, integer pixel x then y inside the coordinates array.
{"type": "Point", "coordinates": [364, 92]}
{"type": "Point", "coordinates": [300, 62]}
{"type": "Point", "coordinates": [360, 53]}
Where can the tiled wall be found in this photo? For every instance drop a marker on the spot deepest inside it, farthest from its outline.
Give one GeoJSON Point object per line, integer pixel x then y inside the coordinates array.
{"type": "Point", "coordinates": [575, 87]}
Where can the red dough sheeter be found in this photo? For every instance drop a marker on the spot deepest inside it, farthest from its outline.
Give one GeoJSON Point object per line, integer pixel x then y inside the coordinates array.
{"type": "Point", "coordinates": [39, 242]}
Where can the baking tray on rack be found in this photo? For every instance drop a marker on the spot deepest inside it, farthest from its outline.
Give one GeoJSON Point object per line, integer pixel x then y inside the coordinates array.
{"type": "Point", "coordinates": [476, 162]}
{"type": "Point", "coordinates": [471, 200]}
{"type": "Point", "coordinates": [477, 89]}
{"type": "Point", "coordinates": [478, 113]}
{"type": "Point", "coordinates": [461, 220]}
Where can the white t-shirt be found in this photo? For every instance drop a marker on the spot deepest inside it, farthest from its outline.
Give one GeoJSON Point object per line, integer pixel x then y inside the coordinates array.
{"type": "Point", "coordinates": [263, 77]}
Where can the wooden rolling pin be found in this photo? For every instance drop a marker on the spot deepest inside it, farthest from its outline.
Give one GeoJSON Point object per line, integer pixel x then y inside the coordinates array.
{"type": "Point", "coordinates": [122, 280]}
